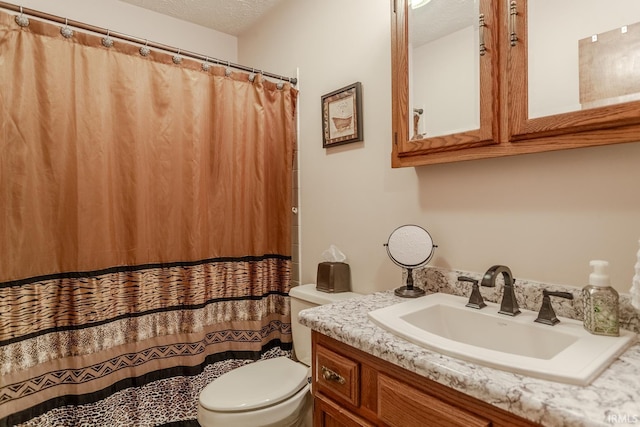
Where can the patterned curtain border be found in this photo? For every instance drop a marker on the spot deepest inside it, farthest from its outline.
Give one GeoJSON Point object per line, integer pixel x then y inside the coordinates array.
{"type": "Point", "coordinates": [144, 380]}
{"type": "Point", "coordinates": [72, 301]}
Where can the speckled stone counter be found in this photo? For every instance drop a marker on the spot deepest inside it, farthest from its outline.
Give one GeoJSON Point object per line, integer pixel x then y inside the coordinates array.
{"type": "Point", "coordinates": [612, 399]}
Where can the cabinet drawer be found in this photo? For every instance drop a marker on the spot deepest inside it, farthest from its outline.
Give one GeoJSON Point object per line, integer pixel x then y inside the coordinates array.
{"type": "Point", "coordinates": [337, 376]}
{"type": "Point", "coordinates": [400, 405]}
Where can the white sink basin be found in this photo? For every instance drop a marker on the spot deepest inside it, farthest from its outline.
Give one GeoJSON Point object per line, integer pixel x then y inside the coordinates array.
{"type": "Point", "coordinates": [565, 352]}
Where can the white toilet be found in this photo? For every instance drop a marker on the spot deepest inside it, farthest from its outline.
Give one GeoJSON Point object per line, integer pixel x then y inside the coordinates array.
{"type": "Point", "coordinates": [272, 392]}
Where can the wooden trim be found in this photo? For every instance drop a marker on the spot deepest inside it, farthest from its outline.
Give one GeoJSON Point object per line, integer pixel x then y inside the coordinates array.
{"type": "Point", "coordinates": [399, 80]}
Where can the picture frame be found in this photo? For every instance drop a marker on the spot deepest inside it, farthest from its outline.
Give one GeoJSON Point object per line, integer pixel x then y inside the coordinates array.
{"type": "Point", "coordinates": [342, 116]}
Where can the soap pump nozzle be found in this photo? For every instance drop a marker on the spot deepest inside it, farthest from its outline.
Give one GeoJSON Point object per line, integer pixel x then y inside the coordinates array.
{"type": "Point", "coordinates": [600, 276]}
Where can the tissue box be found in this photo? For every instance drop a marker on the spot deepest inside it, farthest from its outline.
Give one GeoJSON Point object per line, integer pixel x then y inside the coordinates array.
{"type": "Point", "coordinates": [333, 277]}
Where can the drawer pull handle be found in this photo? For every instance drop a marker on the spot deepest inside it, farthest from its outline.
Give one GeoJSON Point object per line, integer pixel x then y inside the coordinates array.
{"type": "Point", "coordinates": [330, 375]}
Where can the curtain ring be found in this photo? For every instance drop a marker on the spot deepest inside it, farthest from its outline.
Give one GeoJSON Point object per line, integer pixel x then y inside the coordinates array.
{"type": "Point", "coordinates": [176, 58]}
{"type": "Point", "coordinates": [144, 50]}
{"type": "Point", "coordinates": [66, 32]}
{"type": "Point", "coordinates": [256, 74]}
{"type": "Point", "coordinates": [205, 65]}
{"type": "Point", "coordinates": [107, 41]}
{"type": "Point", "coordinates": [22, 20]}
{"type": "Point", "coordinates": [227, 71]}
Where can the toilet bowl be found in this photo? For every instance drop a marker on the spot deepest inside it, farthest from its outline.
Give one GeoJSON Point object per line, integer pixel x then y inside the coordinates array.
{"type": "Point", "coordinates": [271, 392]}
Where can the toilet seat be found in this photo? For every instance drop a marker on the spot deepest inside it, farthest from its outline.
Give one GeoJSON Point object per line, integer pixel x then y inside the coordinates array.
{"type": "Point", "coordinates": [254, 386]}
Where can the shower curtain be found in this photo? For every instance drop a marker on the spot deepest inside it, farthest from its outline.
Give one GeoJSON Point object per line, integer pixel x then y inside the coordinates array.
{"type": "Point", "coordinates": [145, 234]}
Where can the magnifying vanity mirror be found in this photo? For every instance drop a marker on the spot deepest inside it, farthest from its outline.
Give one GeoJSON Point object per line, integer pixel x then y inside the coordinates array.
{"type": "Point", "coordinates": [410, 247]}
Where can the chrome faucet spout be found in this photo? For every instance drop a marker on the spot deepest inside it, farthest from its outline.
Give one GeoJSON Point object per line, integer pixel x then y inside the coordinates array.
{"type": "Point", "coordinates": [509, 304]}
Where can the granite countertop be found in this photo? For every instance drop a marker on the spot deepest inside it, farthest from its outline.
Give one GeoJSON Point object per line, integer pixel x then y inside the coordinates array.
{"type": "Point", "coordinates": [611, 399]}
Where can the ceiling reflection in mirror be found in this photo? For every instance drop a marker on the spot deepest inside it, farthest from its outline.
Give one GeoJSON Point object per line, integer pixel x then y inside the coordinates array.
{"type": "Point", "coordinates": [444, 73]}
{"type": "Point", "coordinates": [582, 61]}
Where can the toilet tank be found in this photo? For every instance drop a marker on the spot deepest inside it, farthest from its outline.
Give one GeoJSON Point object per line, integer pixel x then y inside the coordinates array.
{"type": "Point", "coordinates": [303, 297]}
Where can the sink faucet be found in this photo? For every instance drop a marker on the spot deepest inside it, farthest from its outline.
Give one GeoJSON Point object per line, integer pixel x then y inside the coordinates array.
{"type": "Point", "coordinates": [475, 299]}
{"type": "Point", "coordinates": [509, 304]}
{"type": "Point", "coordinates": [547, 315]}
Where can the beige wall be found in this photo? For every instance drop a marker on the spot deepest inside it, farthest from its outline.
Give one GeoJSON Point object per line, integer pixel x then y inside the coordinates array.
{"type": "Point", "coordinates": [145, 24]}
{"type": "Point", "coordinates": [544, 215]}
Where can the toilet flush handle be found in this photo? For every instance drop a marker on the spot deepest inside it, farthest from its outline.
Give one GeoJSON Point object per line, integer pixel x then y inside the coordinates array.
{"type": "Point", "coordinates": [330, 375]}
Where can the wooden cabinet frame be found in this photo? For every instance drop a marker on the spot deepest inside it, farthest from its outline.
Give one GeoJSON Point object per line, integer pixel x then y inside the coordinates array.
{"type": "Point", "coordinates": [505, 128]}
{"type": "Point", "coordinates": [384, 386]}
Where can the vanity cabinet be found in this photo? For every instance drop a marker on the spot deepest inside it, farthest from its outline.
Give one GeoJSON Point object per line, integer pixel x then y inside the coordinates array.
{"type": "Point", "coordinates": [353, 388]}
{"type": "Point", "coordinates": [516, 58]}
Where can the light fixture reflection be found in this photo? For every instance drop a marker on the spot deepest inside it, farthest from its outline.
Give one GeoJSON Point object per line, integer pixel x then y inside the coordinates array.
{"type": "Point", "coordinates": [418, 3]}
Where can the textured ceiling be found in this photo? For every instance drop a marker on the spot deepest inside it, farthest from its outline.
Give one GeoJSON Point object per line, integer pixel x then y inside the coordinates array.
{"type": "Point", "coordinates": [441, 17]}
{"type": "Point", "coordinates": [228, 16]}
{"type": "Point", "coordinates": [437, 18]}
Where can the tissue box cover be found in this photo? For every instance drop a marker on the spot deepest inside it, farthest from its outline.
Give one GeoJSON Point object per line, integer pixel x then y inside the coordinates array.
{"type": "Point", "coordinates": [333, 277]}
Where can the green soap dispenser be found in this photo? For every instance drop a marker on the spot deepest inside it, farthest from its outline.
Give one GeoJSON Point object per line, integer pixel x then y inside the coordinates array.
{"type": "Point", "coordinates": [600, 302]}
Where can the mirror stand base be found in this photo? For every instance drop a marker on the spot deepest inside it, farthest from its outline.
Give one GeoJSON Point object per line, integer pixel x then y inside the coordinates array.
{"type": "Point", "coordinates": [409, 292]}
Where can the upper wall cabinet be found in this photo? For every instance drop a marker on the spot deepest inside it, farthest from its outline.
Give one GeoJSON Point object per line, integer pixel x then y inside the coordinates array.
{"type": "Point", "coordinates": [488, 78]}
{"type": "Point", "coordinates": [445, 69]}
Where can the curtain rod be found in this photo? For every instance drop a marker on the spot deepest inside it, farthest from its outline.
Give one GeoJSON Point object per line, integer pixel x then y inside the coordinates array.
{"type": "Point", "coordinates": [137, 40]}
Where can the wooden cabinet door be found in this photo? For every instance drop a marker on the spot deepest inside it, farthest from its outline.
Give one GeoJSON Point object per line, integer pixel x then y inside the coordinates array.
{"type": "Point", "coordinates": [328, 414]}
{"type": "Point", "coordinates": [547, 103]}
{"type": "Point", "coordinates": [400, 405]}
{"type": "Point", "coordinates": [411, 148]}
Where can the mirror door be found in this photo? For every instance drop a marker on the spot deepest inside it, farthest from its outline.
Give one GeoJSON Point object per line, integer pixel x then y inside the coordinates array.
{"type": "Point", "coordinates": [574, 66]}
{"type": "Point", "coordinates": [445, 87]}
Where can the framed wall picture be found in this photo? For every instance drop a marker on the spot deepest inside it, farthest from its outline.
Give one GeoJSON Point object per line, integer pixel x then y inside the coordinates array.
{"type": "Point", "coordinates": [342, 116]}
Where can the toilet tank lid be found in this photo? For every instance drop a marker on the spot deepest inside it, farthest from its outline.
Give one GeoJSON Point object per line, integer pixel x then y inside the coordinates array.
{"type": "Point", "coordinates": [256, 385]}
{"type": "Point", "coordinates": [310, 294]}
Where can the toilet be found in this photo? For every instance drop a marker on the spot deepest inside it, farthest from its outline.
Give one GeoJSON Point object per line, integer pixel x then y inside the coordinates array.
{"type": "Point", "coordinates": [272, 392]}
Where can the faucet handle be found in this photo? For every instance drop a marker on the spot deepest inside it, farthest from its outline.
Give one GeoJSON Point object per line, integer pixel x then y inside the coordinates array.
{"type": "Point", "coordinates": [475, 299]}
{"type": "Point", "coordinates": [547, 315]}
